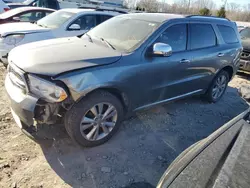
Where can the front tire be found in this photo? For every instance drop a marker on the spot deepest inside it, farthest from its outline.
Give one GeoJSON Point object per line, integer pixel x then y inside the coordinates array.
{"type": "Point", "coordinates": [217, 87]}
{"type": "Point", "coordinates": [94, 119]}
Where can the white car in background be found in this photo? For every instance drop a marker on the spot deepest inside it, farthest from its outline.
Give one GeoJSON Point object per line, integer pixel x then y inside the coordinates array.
{"type": "Point", "coordinates": [62, 23]}
{"type": "Point", "coordinates": [3, 7]}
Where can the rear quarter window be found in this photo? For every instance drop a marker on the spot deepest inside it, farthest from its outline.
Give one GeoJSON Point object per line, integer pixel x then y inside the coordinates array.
{"type": "Point", "coordinates": [228, 34]}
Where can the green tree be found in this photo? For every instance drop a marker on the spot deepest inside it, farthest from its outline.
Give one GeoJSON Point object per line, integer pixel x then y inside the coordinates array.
{"type": "Point", "coordinates": [205, 12]}
{"type": "Point", "coordinates": [222, 12]}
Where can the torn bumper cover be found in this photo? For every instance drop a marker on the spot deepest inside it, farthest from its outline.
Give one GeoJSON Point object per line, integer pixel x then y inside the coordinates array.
{"type": "Point", "coordinates": [22, 105]}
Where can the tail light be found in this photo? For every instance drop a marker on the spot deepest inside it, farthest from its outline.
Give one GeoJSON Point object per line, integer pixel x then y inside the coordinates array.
{"type": "Point", "coordinates": [6, 9]}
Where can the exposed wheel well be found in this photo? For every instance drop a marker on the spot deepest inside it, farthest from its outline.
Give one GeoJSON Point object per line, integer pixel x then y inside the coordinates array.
{"type": "Point", "coordinates": [229, 70]}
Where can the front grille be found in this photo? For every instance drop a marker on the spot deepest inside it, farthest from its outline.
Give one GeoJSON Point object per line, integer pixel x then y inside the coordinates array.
{"type": "Point", "coordinates": [17, 78]}
{"type": "Point", "coordinates": [245, 54]}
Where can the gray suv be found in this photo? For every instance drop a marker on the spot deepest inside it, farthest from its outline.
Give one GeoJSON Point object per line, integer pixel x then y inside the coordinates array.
{"type": "Point", "coordinates": [128, 63]}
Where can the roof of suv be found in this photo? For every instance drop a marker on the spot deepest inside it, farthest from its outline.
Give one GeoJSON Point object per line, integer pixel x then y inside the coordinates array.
{"type": "Point", "coordinates": [77, 10]}
{"type": "Point", "coordinates": [162, 17]}
{"type": "Point", "coordinates": [153, 17]}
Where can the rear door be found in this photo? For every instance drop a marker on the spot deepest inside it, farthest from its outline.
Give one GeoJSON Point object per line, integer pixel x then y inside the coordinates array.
{"type": "Point", "coordinates": [206, 54]}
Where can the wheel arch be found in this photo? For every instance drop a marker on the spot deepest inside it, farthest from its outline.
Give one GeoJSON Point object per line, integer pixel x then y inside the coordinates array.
{"type": "Point", "coordinates": [121, 95]}
{"type": "Point", "coordinates": [229, 69]}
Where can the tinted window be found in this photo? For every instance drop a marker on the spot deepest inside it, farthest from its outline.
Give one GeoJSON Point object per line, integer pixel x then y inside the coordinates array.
{"type": "Point", "coordinates": [86, 22]}
{"type": "Point", "coordinates": [245, 33]}
{"type": "Point", "coordinates": [104, 18]}
{"type": "Point", "coordinates": [202, 36]}
{"type": "Point", "coordinates": [228, 34]}
{"type": "Point", "coordinates": [175, 36]}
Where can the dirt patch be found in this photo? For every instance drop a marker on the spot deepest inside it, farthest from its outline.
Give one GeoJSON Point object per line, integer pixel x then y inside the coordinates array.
{"type": "Point", "coordinates": [139, 152]}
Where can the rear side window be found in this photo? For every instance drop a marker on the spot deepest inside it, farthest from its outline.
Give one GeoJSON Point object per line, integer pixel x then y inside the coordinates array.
{"type": "Point", "coordinates": [228, 34]}
{"type": "Point", "coordinates": [202, 36]}
{"type": "Point", "coordinates": [175, 36]}
{"type": "Point", "coordinates": [104, 18]}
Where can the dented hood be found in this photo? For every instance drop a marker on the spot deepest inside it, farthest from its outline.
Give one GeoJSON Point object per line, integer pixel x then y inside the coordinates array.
{"type": "Point", "coordinates": [52, 57]}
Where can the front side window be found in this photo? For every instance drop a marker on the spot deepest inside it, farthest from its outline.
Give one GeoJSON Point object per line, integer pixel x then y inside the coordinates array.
{"type": "Point", "coordinates": [86, 22]}
{"type": "Point", "coordinates": [202, 36]}
{"type": "Point", "coordinates": [228, 34]}
{"type": "Point", "coordinates": [124, 33]}
{"type": "Point", "coordinates": [56, 19]}
{"type": "Point", "coordinates": [245, 33]}
{"type": "Point", "coordinates": [175, 36]}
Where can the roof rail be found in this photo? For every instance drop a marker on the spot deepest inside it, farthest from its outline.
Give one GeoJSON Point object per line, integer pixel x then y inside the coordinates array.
{"type": "Point", "coordinates": [214, 17]}
{"type": "Point", "coordinates": [100, 8]}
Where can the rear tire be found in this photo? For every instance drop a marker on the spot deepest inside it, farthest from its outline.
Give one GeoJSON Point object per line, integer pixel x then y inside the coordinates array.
{"type": "Point", "coordinates": [217, 87]}
{"type": "Point", "coordinates": [85, 122]}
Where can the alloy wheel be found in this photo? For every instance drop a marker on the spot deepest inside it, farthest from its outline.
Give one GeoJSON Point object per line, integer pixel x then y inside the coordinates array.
{"type": "Point", "coordinates": [219, 87]}
{"type": "Point", "coordinates": [98, 122]}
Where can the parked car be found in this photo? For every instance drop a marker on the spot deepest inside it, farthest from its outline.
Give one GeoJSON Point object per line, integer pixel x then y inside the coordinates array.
{"type": "Point", "coordinates": [63, 23]}
{"type": "Point", "coordinates": [245, 56]}
{"type": "Point", "coordinates": [53, 4]}
{"type": "Point", "coordinates": [214, 160]}
{"type": "Point", "coordinates": [24, 14]}
{"type": "Point", "coordinates": [3, 7]}
{"type": "Point", "coordinates": [128, 63]}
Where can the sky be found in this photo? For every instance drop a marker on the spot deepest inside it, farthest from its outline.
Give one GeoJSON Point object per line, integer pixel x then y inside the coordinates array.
{"type": "Point", "coordinates": [218, 2]}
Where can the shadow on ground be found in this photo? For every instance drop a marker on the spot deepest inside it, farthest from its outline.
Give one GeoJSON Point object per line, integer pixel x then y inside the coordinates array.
{"type": "Point", "coordinates": [143, 148]}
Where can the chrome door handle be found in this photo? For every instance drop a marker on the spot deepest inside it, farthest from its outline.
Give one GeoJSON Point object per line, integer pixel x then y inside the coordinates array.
{"type": "Point", "coordinates": [221, 55]}
{"type": "Point", "coordinates": [185, 61]}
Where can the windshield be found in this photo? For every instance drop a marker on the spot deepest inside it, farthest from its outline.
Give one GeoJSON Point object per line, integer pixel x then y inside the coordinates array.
{"type": "Point", "coordinates": [245, 33]}
{"type": "Point", "coordinates": [125, 34]}
{"type": "Point", "coordinates": [55, 19]}
{"type": "Point", "coordinates": [27, 2]}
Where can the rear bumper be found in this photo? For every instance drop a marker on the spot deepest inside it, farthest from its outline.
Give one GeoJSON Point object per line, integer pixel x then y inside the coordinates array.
{"type": "Point", "coordinates": [244, 65]}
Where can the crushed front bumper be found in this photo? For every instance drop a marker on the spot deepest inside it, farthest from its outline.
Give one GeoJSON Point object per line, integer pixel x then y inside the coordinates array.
{"type": "Point", "coordinates": [22, 105]}
{"type": "Point", "coordinates": [244, 65]}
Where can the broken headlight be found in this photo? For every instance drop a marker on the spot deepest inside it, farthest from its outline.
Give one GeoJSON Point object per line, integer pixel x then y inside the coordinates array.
{"type": "Point", "coordinates": [46, 90]}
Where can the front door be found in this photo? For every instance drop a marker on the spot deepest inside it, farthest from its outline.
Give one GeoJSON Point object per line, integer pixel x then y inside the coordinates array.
{"type": "Point", "coordinates": [172, 73]}
{"type": "Point", "coordinates": [86, 22]}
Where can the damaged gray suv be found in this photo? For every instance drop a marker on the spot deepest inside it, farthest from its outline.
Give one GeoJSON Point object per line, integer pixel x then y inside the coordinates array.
{"type": "Point", "coordinates": [128, 63]}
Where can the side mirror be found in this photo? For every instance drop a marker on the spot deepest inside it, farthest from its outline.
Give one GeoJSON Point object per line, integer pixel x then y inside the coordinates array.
{"type": "Point", "coordinates": [74, 27]}
{"type": "Point", "coordinates": [16, 19]}
{"type": "Point", "coordinates": [34, 4]}
{"type": "Point", "coordinates": [162, 49]}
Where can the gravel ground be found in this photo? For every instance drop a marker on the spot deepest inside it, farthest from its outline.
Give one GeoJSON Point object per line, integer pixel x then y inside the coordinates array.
{"type": "Point", "coordinates": [140, 152]}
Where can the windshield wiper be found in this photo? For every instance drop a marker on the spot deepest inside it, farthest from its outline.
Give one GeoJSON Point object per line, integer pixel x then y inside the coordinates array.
{"type": "Point", "coordinates": [106, 42]}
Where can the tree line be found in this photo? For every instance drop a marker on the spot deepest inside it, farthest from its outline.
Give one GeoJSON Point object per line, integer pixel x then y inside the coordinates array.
{"type": "Point", "coordinates": [232, 11]}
